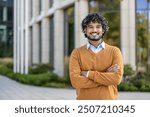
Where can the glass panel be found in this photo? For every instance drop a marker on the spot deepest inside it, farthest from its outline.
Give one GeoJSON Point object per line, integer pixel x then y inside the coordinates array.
{"type": "Point", "coordinates": [143, 35]}
{"type": "Point", "coordinates": [10, 13]}
{"type": "Point", "coordinates": [69, 40]}
{"type": "Point", "coordinates": [52, 41]}
{"type": "Point", "coordinates": [1, 13]}
{"type": "Point", "coordinates": [148, 36]}
{"type": "Point", "coordinates": [3, 33]}
{"type": "Point", "coordinates": [40, 6]}
{"type": "Point", "coordinates": [69, 31]}
{"type": "Point", "coordinates": [50, 3]}
{"type": "Point", "coordinates": [40, 42]}
{"type": "Point", "coordinates": [31, 44]}
{"type": "Point", "coordinates": [5, 14]}
{"type": "Point", "coordinates": [110, 9]}
{"type": "Point", "coordinates": [141, 4]}
{"type": "Point", "coordinates": [6, 28]}
{"type": "Point", "coordinates": [31, 9]}
{"type": "Point", "coordinates": [104, 5]}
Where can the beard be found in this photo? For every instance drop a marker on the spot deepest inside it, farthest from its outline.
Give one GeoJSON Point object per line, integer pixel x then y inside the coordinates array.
{"type": "Point", "coordinates": [97, 37]}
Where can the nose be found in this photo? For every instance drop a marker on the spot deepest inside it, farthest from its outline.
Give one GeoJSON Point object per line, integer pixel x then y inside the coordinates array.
{"type": "Point", "coordinates": [95, 29]}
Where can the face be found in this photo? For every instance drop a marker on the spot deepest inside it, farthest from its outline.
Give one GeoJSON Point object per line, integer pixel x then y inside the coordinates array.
{"type": "Point", "coordinates": [94, 31]}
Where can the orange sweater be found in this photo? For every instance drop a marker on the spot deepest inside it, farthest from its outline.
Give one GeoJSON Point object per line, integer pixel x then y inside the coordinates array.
{"type": "Point", "coordinates": [100, 85]}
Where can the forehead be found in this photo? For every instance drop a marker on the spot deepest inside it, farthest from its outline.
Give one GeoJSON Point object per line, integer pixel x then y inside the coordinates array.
{"type": "Point", "coordinates": [94, 24]}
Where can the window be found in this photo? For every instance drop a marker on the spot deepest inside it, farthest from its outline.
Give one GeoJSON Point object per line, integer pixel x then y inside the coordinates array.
{"type": "Point", "coordinates": [31, 44]}
{"type": "Point", "coordinates": [31, 9]}
{"type": "Point", "coordinates": [40, 42]}
{"type": "Point", "coordinates": [51, 3]}
{"type": "Point", "coordinates": [110, 9]}
{"type": "Point", "coordinates": [3, 13]}
{"type": "Point", "coordinates": [40, 5]}
{"type": "Point", "coordinates": [6, 28]}
{"type": "Point", "coordinates": [51, 41]}
{"type": "Point", "coordinates": [143, 34]}
{"type": "Point", "coordinates": [10, 13]}
{"type": "Point", "coordinates": [69, 39]}
{"type": "Point", "coordinates": [68, 31]}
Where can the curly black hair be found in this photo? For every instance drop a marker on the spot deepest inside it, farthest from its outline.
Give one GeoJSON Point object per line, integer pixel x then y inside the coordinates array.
{"type": "Point", "coordinates": [95, 17]}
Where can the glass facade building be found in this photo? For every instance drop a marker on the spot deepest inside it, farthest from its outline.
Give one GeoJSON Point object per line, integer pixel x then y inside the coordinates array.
{"type": "Point", "coordinates": [50, 29]}
{"type": "Point", "coordinates": [6, 28]}
{"type": "Point", "coordinates": [143, 34]}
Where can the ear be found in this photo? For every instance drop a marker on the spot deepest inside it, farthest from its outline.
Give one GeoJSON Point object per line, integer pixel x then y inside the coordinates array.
{"type": "Point", "coordinates": [103, 32]}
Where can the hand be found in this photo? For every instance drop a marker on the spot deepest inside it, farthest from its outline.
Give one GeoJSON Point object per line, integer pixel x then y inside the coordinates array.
{"type": "Point", "coordinates": [113, 68]}
{"type": "Point", "coordinates": [84, 73]}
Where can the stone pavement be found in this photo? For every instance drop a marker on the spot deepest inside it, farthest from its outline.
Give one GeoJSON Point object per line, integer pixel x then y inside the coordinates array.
{"type": "Point", "coordinates": [12, 90]}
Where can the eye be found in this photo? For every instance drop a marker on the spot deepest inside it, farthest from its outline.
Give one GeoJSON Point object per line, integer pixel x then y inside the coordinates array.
{"type": "Point", "coordinates": [99, 26]}
{"type": "Point", "coordinates": [90, 26]}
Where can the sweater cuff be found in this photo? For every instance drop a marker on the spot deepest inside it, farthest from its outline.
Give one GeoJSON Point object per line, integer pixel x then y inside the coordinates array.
{"type": "Point", "coordinates": [91, 75]}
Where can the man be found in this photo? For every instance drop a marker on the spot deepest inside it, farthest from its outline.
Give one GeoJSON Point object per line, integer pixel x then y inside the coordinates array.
{"type": "Point", "coordinates": [96, 68]}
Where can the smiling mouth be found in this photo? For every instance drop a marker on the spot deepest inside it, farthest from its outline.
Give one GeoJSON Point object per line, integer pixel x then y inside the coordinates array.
{"type": "Point", "coordinates": [95, 35]}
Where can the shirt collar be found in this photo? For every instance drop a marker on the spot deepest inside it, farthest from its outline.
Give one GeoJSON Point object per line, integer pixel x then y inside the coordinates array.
{"type": "Point", "coordinates": [102, 45]}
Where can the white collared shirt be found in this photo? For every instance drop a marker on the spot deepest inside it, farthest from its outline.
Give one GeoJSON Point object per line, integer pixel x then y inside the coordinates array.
{"type": "Point", "coordinates": [94, 49]}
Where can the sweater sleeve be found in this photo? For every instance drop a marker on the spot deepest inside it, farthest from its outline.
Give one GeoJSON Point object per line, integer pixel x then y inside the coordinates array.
{"type": "Point", "coordinates": [77, 80]}
{"type": "Point", "coordinates": [109, 78]}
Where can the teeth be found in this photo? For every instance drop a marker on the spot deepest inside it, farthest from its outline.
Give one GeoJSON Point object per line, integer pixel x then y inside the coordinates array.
{"type": "Point", "coordinates": [94, 34]}
{"type": "Point", "coordinates": [97, 36]}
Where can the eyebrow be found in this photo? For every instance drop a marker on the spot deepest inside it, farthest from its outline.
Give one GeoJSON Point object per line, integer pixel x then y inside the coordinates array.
{"type": "Point", "coordinates": [96, 25]}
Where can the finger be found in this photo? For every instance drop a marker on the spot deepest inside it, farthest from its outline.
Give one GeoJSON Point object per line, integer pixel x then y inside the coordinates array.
{"type": "Point", "coordinates": [113, 69]}
{"type": "Point", "coordinates": [115, 65]}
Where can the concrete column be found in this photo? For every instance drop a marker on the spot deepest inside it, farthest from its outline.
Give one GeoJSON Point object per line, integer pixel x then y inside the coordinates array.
{"type": "Point", "coordinates": [15, 37]}
{"type": "Point", "coordinates": [35, 44]}
{"type": "Point", "coordinates": [58, 42]}
{"type": "Point", "coordinates": [18, 36]}
{"type": "Point", "coordinates": [45, 5]}
{"type": "Point", "coordinates": [29, 32]}
{"type": "Point", "coordinates": [35, 8]}
{"type": "Point", "coordinates": [45, 33]}
{"type": "Point", "coordinates": [45, 40]}
{"type": "Point", "coordinates": [29, 10]}
{"type": "Point", "coordinates": [35, 32]}
{"type": "Point", "coordinates": [22, 37]}
{"type": "Point", "coordinates": [30, 39]}
{"type": "Point", "coordinates": [128, 43]}
{"type": "Point", "coordinates": [27, 5]}
{"type": "Point", "coordinates": [81, 10]}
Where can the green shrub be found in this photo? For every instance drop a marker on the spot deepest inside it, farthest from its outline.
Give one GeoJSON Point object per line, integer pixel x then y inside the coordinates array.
{"type": "Point", "coordinates": [138, 83]}
{"type": "Point", "coordinates": [35, 79]}
{"type": "Point", "coordinates": [55, 85]}
{"type": "Point", "coordinates": [48, 79]}
{"type": "Point", "coordinates": [9, 65]}
{"type": "Point", "coordinates": [127, 87]}
{"type": "Point", "coordinates": [145, 87]}
{"type": "Point", "coordinates": [40, 68]}
{"type": "Point", "coordinates": [128, 71]}
{"type": "Point", "coordinates": [4, 70]}
{"type": "Point", "coordinates": [41, 79]}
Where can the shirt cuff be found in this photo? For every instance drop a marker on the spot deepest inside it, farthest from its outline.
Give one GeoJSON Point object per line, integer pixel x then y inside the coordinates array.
{"type": "Point", "coordinates": [87, 74]}
{"type": "Point", "coordinates": [91, 75]}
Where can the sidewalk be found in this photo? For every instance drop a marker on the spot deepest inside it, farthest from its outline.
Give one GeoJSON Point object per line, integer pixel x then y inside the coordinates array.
{"type": "Point", "coordinates": [12, 90]}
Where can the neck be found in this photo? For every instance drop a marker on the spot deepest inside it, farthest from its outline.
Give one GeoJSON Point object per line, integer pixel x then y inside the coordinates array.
{"type": "Point", "coordinates": [96, 43]}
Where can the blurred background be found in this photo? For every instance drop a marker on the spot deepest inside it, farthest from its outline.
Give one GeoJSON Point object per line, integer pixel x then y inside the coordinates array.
{"type": "Point", "coordinates": [38, 36]}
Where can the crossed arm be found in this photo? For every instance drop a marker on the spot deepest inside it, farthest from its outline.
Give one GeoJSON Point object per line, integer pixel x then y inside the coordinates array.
{"type": "Point", "coordinates": [113, 68]}
{"type": "Point", "coordinates": [79, 78]}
